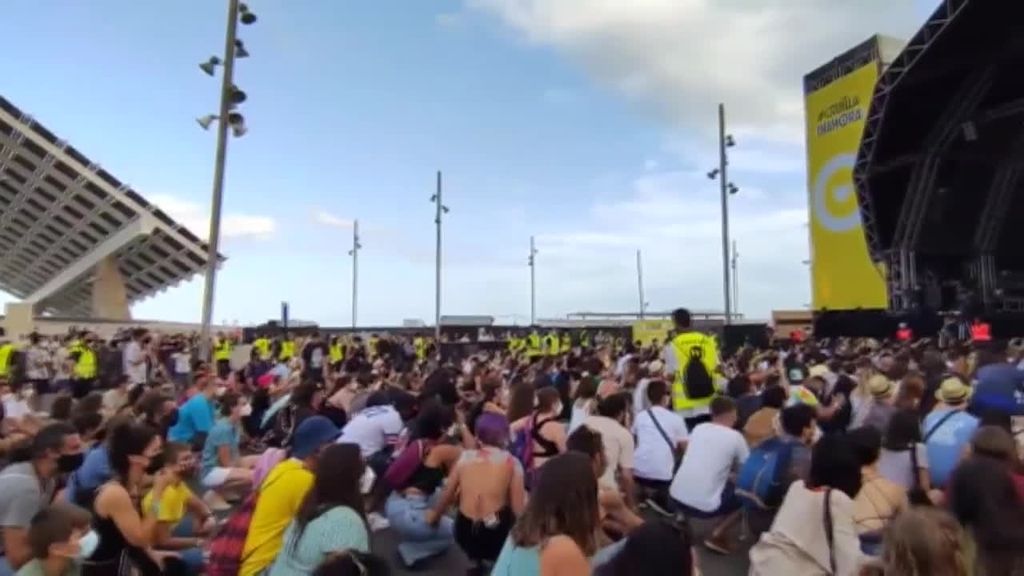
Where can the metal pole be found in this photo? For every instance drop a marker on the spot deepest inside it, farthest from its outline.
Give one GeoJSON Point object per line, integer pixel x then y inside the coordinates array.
{"type": "Point", "coordinates": [437, 302]}
{"type": "Point", "coordinates": [355, 273]}
{"type": "Point", "coordinates": [218, 179]}
{"type": "Point", "coordinates": [640, 281]}
{"type": "Point", "coordinates": [533, 283]}
{"type": "Point", "coordinates": [735, 277]}
{"type": "Point", "coordinates": [724, 181]}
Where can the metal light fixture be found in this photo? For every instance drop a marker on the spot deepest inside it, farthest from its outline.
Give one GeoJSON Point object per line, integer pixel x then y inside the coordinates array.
{"type": "Point", "coordinates": [245, 15]}
{"type": "Point", "coordinates": [205, 121]}
{"type": "Point", "coordinates": [733, 188]}
{"type": "Point", "coordinates": [713, 174]}
{"type": "Point", "coordinates": [237, 96]}
{"type": "Point", "coordinates": [210, 65]}
{"type": "Point", "coordinates": [237, 123]}
{"type": "Point", "coordinates": [729, 142]}
{"type": "Point", "coordinates": [240, 50]}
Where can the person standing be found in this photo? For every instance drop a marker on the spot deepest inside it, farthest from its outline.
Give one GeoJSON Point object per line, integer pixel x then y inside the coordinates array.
{"type": "Point", "coordinates": [134, 359]}
{"type": "Point", "coordinates": [692, 359]}
{"type": "Point", "coordinates": [948, 429]}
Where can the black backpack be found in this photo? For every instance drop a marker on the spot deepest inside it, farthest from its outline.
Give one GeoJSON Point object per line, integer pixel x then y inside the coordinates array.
{"type": "Point", "coordinates": [697, 381]}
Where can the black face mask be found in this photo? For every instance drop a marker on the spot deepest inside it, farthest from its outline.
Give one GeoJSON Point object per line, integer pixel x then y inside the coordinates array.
{"type": "Point", "coordinates": [155, 464]}
{"type": "Point", "coordinates": [68, 463]}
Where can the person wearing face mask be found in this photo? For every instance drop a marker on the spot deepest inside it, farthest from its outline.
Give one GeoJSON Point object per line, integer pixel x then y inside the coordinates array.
{"type": "Point", "coordinates": [60, 538]}
{"type": "Point", "coordinates": [26, 487]}
{"type": "Point", "coordinates": [126, 537]}
{"type": "Point", "coordinates": [182, 518]}
{"type": "Point", "coordinates": [223, 469]}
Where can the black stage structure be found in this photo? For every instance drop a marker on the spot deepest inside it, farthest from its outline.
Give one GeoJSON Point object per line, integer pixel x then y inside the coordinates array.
{"type": "Point", "coordinates": [940, 174]}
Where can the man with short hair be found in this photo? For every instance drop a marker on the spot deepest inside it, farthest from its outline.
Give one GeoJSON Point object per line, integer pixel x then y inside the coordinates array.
{"type": "Point", "coordinates": [690, 398]}
{"type": "Point", "coordinates": [702, 487]}
{"type": "Point", "coordinates": [60, 538]}
{"type": "Point", "coordinates": [196, 416]}
{"type": "Point", "coordinates": [28, 487]}
{"type": "Point", "coordinates": [134, 359]}
{"type": "Point", "coordinates": [660, 436]}
{"type": "Point", "coordinates": [612, 423]}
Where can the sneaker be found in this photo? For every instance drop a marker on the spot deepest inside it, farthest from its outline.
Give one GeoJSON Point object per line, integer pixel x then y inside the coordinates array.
{"type": "Point", "coordinates": [377, 522]}
{"type": "Point", "coordinates": [216, 502]}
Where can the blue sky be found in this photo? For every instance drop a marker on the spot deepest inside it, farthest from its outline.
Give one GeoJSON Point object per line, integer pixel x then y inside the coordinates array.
{"type": "Point", "coordinates": [587, 123]}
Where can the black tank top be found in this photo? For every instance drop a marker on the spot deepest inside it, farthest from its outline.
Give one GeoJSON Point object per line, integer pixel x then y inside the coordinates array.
{"type": "Point", "coordinates": [114, 556]}
{"type": "Point", "coordinates": [426, 479]}
{"type": "Point", "coordinates": [549, 449]}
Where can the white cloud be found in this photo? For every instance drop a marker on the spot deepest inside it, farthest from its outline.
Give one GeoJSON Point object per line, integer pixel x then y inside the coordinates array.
{"type": "Point", "coordinates": [327, 219]}
{"type": "Point", "coordinates": [682, 57]}
{"type": "Point", "coordinates": [196, 217]}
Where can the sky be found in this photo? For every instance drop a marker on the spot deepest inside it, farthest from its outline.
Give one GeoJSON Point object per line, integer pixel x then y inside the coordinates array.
{"type": "Point", "coordinates": [589, 124]}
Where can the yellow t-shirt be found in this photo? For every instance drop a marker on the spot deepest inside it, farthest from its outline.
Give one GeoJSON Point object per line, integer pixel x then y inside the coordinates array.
{"type": "Point", "coordinates": [280, 496]}
{"type": "Point", "coordinates": [173, 503]}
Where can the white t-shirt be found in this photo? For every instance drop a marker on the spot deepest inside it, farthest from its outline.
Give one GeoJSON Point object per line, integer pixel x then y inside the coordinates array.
{"type": "Point", "coordinates": [372, 429]}
{"type": "Point", "coordinates": [618, 446]}
{"type": "Point", "coordinates": [640, 401]}
{"type": "Point", "coordinates": [655, 459]}
{"type": "Point", "coordinates": [134, 363]}
{"type": "Point", "coordinates": [37, 361]}
{"type": "Point", "coordinates": [580, 412]}
{"type": "Point", "coordinates": [182, 362]}
{"type": "Point", "coordinates": [712, 452]}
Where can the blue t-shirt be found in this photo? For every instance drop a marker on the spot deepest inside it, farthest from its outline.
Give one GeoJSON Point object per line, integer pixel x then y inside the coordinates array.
{"type": "Point", "coordinates": [223, 433]}
{"type": "Point", "coordinates": [1000, 387]}
{"type": "Point", "coordinates": [518, 561]}
{"type": "Point", "coordinates": [947, 442]}
{"type": "Point", "coordinates": [194, 416]}
{"type": "Point", "coordinates": [94, 471]}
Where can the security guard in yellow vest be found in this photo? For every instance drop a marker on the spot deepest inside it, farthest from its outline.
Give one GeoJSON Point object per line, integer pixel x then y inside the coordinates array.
{"type": "Point", "coordinates": [534, 347]}
{"type": "Point", "coordinates": [86, 366]}
{"type": "Point", "coordinates": [262, 346]}
{"type": "Point", "coordinates": [419, 344]}
{"type": "Point", "coordinates": [516, 345]}
{"type": "Point", "coordinates": [336, 353]}
{"type": "Point", "coordinates": [678, 352]}
{"type": "Point", "coordinates": [551, 344]}
{"type": "Point", "coordinates": [585, 340]}
{"type": "Point", "coordinates": [566, 345]}
{"type": "Point", "coordinates": [222, 355]}
{"type": "Point", "coordinates": [374, 346]}
{"type": "Point", "coordinates": [287, 349]}
{"type": "Point", "coordinates": [6, 359]}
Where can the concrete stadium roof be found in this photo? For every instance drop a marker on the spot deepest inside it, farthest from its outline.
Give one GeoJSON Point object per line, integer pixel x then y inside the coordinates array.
{"type": "Point", "coordinates": [61, 214]}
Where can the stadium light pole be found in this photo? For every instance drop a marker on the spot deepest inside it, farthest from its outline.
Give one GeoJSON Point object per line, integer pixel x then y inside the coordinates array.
{"type": "Point", "coordinates": [735, 278]}
{"type": "Point", "coordinates": [533, 282]}
{"type": "Point", "coordinates": [727, 188]}
{"type": "Point", "coordinates": [230, 96]}
{"type": "Point", "coordinates": [354, 253]}
{"type": "Point", "coordinates": [640, 282]}
{"type": "Point", "coordinates": [441, 210]}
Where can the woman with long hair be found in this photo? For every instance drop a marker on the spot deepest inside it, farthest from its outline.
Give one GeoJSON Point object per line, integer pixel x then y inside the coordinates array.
{"type": "Point", "coordinates": [331, 517]}
{"type": "Point", "coordinates": [656, 548]}
{"type": "Point", "coordinates": [557, 532]}
{"type": "Point", "coordinates": [488, 483]}
{"type": "Point", "coordinates": [135, 450]}
{"type": "Point", "coordinates": [986, 503]}
{"type": "Point", "coordinates": [585, 403]}
{"type": "Point", "coordinates": [546, 433]}
{"type": "Point", "coordinates": [923, 541]}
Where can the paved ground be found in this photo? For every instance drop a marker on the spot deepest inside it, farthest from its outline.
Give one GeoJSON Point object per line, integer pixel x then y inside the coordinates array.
{"type": "Point", "coordinates": [454, 563]}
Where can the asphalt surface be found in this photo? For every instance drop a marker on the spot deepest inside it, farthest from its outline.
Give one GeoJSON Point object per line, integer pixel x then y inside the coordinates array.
{"type": "Point", "coordinates": [453, 562]}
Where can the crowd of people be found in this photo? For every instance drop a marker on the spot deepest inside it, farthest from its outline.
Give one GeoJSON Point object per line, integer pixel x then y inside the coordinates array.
{"type": "Point", "coordinates": [557, 455]}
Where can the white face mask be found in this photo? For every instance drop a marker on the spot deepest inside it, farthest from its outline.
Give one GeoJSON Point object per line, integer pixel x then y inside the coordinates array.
{"type": "Point", "coordinates": [246, 410]}
{"type": "Point", "coordinates": [87, 544]}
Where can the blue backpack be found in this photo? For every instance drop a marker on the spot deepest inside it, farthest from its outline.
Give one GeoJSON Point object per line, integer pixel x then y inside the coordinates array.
{"type": "Point", "coordinates": [763, 479]}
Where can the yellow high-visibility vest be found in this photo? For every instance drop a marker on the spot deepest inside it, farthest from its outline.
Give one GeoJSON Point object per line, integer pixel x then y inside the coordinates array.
{"type": "Point", "coordinates": [681, 346]}
{"type": "Point", "coordinates": [262, 346]}
{"type": "Point", "coordinates": [336, 353]}
{"type": "Point", "coordinates": [420, 344]}
{"type": "Point", "coordinates": [85, 366]}
{"type": "Point", "coordinates": [533, 345]}
{"type": "Point", "coordinates": [6, 353]}
{"type": "Point", "coordinates": [566, 343]}
{"type": "Point", "coordinates": [222, 350]}
{"type": "Point", "coordinates": [287, 349]}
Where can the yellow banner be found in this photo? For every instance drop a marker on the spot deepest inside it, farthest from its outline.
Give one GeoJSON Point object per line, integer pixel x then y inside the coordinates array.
{"type": "Point", "coordinates": [843, 277]}
{"type": "Point", "coordinates": [647, 331]}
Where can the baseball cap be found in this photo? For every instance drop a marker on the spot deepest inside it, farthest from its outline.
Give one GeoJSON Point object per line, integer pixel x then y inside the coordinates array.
{"type": "Point", "coordinates": [311, 434]}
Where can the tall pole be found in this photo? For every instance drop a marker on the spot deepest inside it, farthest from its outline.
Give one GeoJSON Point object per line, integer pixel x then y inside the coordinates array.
{"type": "Point", "coordinates": [355, 273]}
{"type": "Point", "coordinates": [735, 277]}
{"type": "Point", "coordinates": [437, 295]}
{"type": "Point", "coordinates": [723, 179]}
{"type": "Point", "coordinates": [640, 282]}
{"type": "Point", "coordinates": [533, 283]}
{"type": "Point", "coordinates": [218, 178]}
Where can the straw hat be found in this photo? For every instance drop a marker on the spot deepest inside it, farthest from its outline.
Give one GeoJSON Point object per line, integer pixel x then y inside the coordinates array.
{"type": "Point", "coordinates": [818, 371]}
{"type": "Point", "coordinates": [953, 391]}
{"type": "Point", "coordinates": [880, 387]}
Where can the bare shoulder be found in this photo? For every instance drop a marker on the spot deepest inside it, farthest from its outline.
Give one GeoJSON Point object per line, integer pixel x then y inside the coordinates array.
{"type": "Point", "coordinates": [561, 556]}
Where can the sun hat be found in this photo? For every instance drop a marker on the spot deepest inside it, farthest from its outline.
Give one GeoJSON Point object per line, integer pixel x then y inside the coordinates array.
{"type": "Point", "coordinates": [953, 391]}
{"type": "Point", "coordinates": [818, 371]}
{"type": "Point", "coordinates": [880, 387]}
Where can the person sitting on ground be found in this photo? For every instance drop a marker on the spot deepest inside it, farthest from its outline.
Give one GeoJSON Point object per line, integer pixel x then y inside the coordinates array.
{"type": "Point", "coordinates": [661, 439]}
{"type": "Point", "coordinates": [182, 519]}
{"type": "Point", "coordinates": [546, 431]}
{"type": "Point", "coordinates": [585, 403]}
{"type": "Point", "coordinates": [702, 486]}
{"type": "Point", "coordinates": [654, 549]}
{"type": "Point", "coordinates": [196, 416]}
{"type": "Point", "coordinates": [117, 397]}
{"type": "Point", "coordinates": [879, 499]}
{"type": "Point", "coordinates": [488, 482]}
{"type": "Point", "coordinates": [798, 542]}
{"type": "Point", "coordinates": [557, 532]}
{"type": "Point", "coordinates": [612, 422]}
{"type": "Point", "coordinates": [761, 424]}
{"type": "Point", "coordinates": [28, 485]}
{"type": "Point", "coordinates": [60, 538]}
{"type": "Point", "coordinates": [224, 470]}
{"type": "Point", "coordinates": [616, 516]}
{"type": "Point", "coordinates": [282, 493]}
{"type": "Point", "coordinates": [922, 540]}
{"type": "Point", "coordinates": [353, 563]}
{"type": "Point", "coordinates": [331, 517]}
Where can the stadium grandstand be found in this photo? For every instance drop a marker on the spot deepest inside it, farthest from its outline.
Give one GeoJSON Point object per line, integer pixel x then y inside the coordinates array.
{"type": "Point", "coordinates": [76, 242]}
{"type": "Point", "coordinates": [939, 170]}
